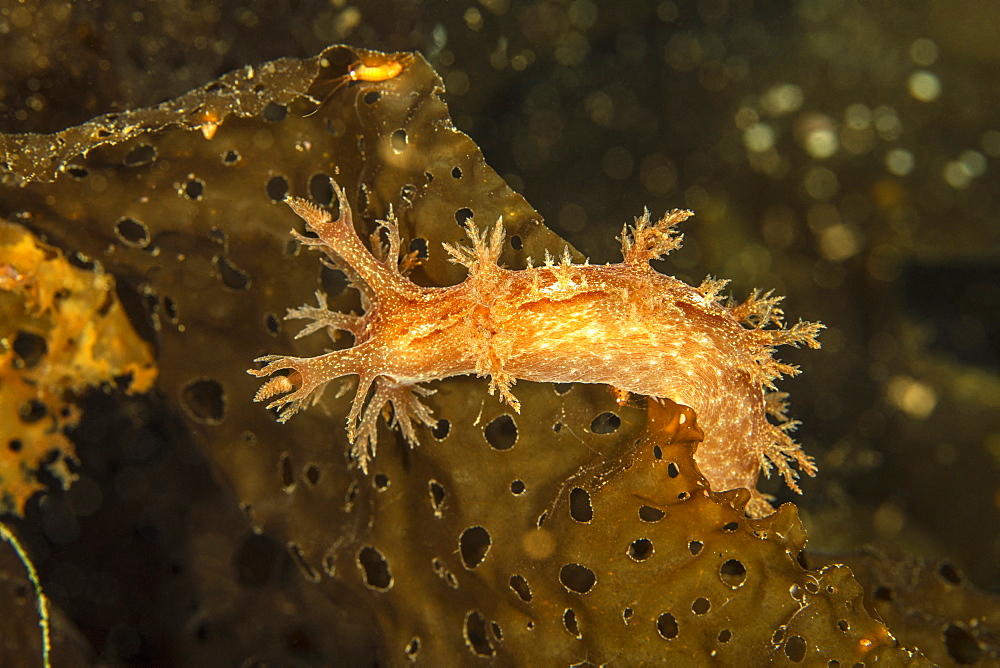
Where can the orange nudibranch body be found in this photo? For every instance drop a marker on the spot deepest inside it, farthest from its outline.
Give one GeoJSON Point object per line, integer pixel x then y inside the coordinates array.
{"type": "Point", "coordinates": [624, 325]}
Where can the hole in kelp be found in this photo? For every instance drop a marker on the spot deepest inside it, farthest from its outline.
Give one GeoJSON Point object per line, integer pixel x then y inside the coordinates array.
{"type": "Point", "coordinates": [570, 623]}
{"type": "Point", "coordinates": [408, 193]}
{"type": "Point", "coordinates": [650, 514]}
{"type": "Point", "coordinates": [520, 587]}
{"type": "Point", "coordinates": [375, 568]}
{"type": "Point", "coordinates": [286, 472]}
{"type": "Point", "coordinates": [733, 573]}
{"type": "Point", "coordinates": [321, 189]}
{"type": "Point", "coordinates": [132, 232]}
{"type": "Point", "coordinates": [462, 215]}
{"type": "Point", "coordinates": [501, 432]}
{"type": "Point", "coordinates": [277, 188]}
{"type": "Point", "coordinates": [640, 549]}
{"type": "Point", "coordinates": [473, 545]}
{"type": "Point", "coordinates": [577, 578]}
{"type": "Point", "coordinates": [412, 649]}
{"type": "Point", "coordinates": [795, 649]}
{"type": "Point", "coordinates": [474, 631]}
{"type": "Point", "coordinates": [30, 348]}
{"type": "Point", "coordinates": [605, 423]}
{"type": "Point", "coordinates": [419, 246]}
{"type": "Point", "coordinates": [580, 508]}
{"type": "Point", "coordinates": [441, 429]}
{"type": "Point", "coordinates": [666, 626]}
{"type": "Point", "coordinates": [142, 154]}
{"type": "Point", "coordinates": [193, 188]}
{"type": "Point", "coordinates": [170, 309]}
{"type": "Point", "coordinates": [32, 411]}
{"type": "Point", "coordinates": [312, 475]}
{"type": "Point", "coordinates": [204, 400]}
{"type": "Point", "coordinates": [274, 112]}
{"type": "Point", "coordinates": [232, 276]}
{"type": "Point", "coordinates": [397, 140]}
{"type": "Point", "coordinates": [437, 493]}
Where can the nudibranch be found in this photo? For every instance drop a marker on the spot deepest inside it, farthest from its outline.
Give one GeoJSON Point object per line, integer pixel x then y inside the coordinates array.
{"type": "Point", "coordinates": [624, 325]}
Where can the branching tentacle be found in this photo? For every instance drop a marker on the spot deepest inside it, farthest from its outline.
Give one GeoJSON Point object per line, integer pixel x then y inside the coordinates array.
{"type": "Point", "coordinates": [711, 289]}
{"type": "Point", "coordinates": [322, 316]}
{"type": "Point", "coordinates": [340, 241]}
{"type": "Point", "coordinates": [485, 249]}
{"type": "Point", "coordinates": [301, 388]}
{"type": "Point", "coordinates": [406, 407]}
{"type": "Point", "coordinates": [647, 241]}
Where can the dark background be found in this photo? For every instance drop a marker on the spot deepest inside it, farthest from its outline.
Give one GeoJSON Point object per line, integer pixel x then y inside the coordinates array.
{"type": "Point", "coordinates": [806, 137]}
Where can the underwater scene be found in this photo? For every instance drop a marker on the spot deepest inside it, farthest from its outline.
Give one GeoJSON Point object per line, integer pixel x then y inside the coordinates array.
{"type": "Point", "coordinates": [572, 332]}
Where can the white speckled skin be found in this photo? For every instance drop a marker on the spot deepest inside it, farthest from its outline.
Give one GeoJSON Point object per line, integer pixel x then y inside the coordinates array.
{"type": "Point", "coordinates": [622, 324]}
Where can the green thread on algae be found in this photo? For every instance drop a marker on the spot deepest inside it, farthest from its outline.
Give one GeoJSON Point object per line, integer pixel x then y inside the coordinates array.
{"type": "Point", "coordinates": [43, 603]}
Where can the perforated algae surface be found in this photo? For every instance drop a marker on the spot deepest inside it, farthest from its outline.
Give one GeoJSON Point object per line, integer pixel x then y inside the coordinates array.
{"type": "Point", "coordinates": [929, 605]}
{"type": "Point", "coordinates": [574, 531]}
{"type": "Point", "coordinates": [599, 542]}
